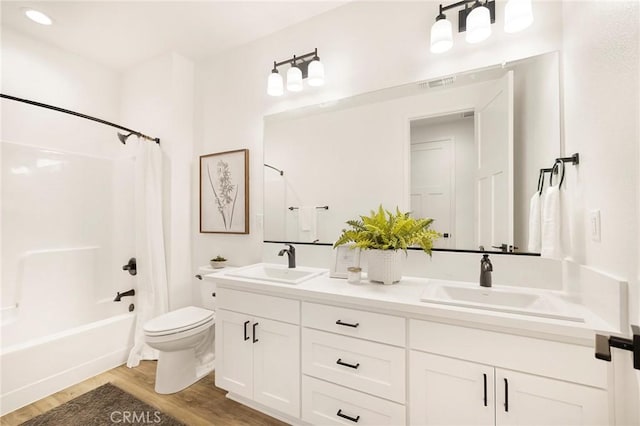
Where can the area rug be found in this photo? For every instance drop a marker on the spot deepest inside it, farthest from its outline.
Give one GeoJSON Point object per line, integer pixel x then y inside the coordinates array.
{"type": "Point", "coordinates": [106, 405]}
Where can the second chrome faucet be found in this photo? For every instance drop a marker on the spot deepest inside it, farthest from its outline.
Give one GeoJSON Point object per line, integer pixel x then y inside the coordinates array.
{"type": "Point", "coordinates": [291, 254]}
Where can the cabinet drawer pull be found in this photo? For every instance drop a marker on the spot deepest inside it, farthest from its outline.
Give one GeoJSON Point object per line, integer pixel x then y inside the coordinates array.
{"type": "Point", "coordinates": [506, 396]}
{"type": "Point", "coordinates": [346, 324]}
{"type": "Point", "coordinates": [344, 416]}
{"type": "Point", "coordinates": [485, 389]}
{"type": "Point", "coordinates": [340, 362]}
{"type": "Point", "coordinates": [254, 332]}
{"type": "Point", "coordinates": [246, 337]}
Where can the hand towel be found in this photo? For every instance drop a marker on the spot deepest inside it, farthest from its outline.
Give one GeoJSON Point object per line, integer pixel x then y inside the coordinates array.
{"type": "Point", "coordinates": [550, 243]}
{"type": "Point", "coordinates": [535, 213]}
{"type": "Point", "coordinates": [307, 224]}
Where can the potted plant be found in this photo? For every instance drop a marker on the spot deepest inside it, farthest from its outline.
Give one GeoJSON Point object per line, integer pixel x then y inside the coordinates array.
{"type": "Point", "coordinates": [384, 234]}
{"type": "Point", "coordinates": [218, 262]}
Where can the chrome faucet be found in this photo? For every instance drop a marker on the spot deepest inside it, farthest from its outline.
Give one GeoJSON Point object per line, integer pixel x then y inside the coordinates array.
{"type": "Point", "coordinates": [291, 254]}
{"type": "Point", "coordinates": [485, 271]}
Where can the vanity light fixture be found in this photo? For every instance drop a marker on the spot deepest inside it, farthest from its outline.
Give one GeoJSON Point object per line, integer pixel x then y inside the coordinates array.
{"type": "Point", "coordinates": [476, 20]}
{"type": "Point", "coordinates": [307, 66]}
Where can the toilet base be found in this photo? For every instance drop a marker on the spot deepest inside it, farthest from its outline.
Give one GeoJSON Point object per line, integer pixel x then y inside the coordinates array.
{"type": "Point", "coordinates": [177, 371]}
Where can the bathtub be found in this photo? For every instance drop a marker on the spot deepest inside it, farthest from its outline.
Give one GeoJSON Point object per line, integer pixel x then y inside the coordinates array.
{"type": "Point", "coordinates": [37, 368]}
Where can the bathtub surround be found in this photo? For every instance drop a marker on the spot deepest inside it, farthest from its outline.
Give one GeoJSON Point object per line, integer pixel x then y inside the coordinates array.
{"type": "Point", "coordinates": [151, 281]}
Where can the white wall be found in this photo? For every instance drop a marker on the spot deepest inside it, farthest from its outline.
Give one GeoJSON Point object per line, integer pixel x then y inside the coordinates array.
{"type": "Point", "coordinates": [365, 47]}
{"type": "Point", "coordinates": [158, 100]}
{"type": "Point", "coordinates": [601, 116]}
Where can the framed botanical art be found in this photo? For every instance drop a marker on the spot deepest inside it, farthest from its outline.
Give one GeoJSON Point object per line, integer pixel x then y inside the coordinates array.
{"type": "Point", "coordinates": [224, 192]}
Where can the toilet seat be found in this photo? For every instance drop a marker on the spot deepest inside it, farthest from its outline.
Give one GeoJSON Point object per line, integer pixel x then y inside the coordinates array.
{"type": "Point", "coordinates": [179, 321]}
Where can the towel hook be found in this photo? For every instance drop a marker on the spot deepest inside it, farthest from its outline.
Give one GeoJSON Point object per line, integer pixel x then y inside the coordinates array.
{"type": "Point", "coordinates": [556, 165]}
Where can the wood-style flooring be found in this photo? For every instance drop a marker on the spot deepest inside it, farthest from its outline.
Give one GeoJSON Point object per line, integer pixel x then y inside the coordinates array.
{"type": "Point", "coordinates": [200, 404]}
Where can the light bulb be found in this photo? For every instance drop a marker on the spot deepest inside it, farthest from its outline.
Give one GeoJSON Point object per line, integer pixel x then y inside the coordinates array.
{"type": "Point", "coordinates": [294, 79]}
{"type": "Point", "coordinates": [478, 25]}
{"type": "Point", "coordinates": [441, 36]}
{"type": "Point", "coordinates": [275, 86]}
{"type": "Point", "coordinates": [37, 16]}
{"type": "Point", "coordinates": [315, 73]}
{"type": "Point", "coordinates": [517, 15]}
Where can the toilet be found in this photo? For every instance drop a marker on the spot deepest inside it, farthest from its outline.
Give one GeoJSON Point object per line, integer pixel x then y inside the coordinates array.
{"type": "Point", "coordinates": [184, 339]}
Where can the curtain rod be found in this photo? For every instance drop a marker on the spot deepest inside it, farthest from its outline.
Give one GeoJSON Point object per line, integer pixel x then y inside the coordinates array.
{"type": "Point", "coordinates": [88, 117]}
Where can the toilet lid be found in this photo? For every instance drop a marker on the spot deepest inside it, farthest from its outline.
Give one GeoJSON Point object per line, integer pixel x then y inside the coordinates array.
{"type": "Point", "coordinates": [178, 320]}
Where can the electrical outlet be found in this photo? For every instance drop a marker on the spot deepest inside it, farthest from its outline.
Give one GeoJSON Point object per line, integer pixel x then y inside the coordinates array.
{"type": "Point", "coordinates": [594, 225]}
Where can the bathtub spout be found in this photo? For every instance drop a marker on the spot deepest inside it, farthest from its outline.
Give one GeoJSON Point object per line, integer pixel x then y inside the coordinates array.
{"type": "Point", "coordinates": [119, 296]}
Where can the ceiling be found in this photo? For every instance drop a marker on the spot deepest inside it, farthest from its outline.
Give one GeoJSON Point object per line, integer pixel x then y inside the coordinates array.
{"type": "Point", "coordinates": [119, 34]}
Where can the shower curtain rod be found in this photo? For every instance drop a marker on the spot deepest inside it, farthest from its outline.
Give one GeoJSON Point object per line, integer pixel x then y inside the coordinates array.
{"type": "Point", "coordinates": [88, 117]}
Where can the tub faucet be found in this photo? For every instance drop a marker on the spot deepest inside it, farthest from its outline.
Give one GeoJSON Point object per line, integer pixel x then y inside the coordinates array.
{"type": "Point", "coordinates": [485, 271]}
{"type": "Point", "coordinates": [119, 296]}
{"type": "Point", "coordinates": [291, 254]}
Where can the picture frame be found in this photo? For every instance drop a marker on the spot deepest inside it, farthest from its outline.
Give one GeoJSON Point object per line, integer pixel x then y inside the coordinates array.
{"type": "Point", "coordinates": [343, 257]}
{"type": "Point", "coordinates": [224, 192]}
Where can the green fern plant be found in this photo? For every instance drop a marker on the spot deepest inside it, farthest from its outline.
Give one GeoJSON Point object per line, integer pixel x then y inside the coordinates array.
{"type": "Point", "coordinates": [384, 230]}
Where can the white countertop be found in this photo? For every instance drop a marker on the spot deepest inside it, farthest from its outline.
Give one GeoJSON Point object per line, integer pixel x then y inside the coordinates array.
{"type": "Point", "coordinates": [404, 297]}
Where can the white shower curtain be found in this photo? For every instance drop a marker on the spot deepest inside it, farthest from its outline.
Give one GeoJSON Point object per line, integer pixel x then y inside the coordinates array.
{"type": "Point", "coordinates": [151, 289]}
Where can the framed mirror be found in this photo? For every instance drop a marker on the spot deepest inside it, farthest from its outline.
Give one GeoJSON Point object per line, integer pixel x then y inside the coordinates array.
{"type": "Point", "coordinates": [463, 149]}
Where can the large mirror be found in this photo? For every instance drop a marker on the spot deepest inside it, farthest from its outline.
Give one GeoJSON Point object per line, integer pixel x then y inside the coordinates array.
{"type": "Point", "coordinates": [464, 149]}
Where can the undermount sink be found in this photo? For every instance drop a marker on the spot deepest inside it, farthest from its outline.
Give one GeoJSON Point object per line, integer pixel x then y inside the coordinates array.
{"type": "Point", "coordinates": [501, 299]}
{"type": "Point", "coordinates": [276, 273]}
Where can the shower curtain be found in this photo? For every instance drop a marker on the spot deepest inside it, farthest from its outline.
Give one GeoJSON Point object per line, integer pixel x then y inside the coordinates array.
{"type": "Point", "coordinates": [151, 291]}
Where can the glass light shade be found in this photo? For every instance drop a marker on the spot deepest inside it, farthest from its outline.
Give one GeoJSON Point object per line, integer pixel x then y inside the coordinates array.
{"type": "Point", "coordinates": [441, 36]}
{"type": "Point", "coordinates": [478, 25]}
{"type": "Point", "coordinates": [37, 16]}
{"type": "Point", "coordinates": [518, 15]}
{"type": "Point", "coordinates": [275, 86]}
{"type": "Point", "coordinates": [315, 73]}
{"type": "Point", "coordinates": [294, 79]}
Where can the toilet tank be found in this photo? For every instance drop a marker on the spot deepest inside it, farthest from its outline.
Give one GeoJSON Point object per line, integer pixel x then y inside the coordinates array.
{"type": "Point", "coordinates": [207, 289]}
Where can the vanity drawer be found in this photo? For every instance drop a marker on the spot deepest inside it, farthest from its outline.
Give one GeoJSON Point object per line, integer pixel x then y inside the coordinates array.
{"type": "Point", "coordinates": [260, 305]}
{"type": "Point", "coordinates": [352, 322]}
{"type": "Point", "coordinates": [375, 368]}
{"type": "Point", "coordinates": [328, 404]}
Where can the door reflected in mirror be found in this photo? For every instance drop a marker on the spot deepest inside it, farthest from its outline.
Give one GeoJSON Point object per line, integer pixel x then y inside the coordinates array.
{"type": "Point", "coordinates": [464, 150]}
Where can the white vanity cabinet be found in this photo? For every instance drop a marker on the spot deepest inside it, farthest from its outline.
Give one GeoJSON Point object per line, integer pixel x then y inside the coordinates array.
{"type": "Point", "coordinates": [257, 355]}
{"type": "Point", "coordinates": [447, 390]}
{"type": "Point", "coordinates": [353, 365]}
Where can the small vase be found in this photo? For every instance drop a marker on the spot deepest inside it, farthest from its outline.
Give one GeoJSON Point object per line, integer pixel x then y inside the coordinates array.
{"type": "Point", "coordinates": [384, 266]}
{"type": "Point", "coordinates": [218, 264]}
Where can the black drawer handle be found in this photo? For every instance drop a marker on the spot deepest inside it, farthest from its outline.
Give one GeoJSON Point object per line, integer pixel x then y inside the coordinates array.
{"type": "Point", "coordinates": [254, 332]}
{"type": "Point", "coordinates": [485, 389]}
{"type": "Point", "coordinates": [346, 324]}
{"type": "Point", "coordinates": [344, 416]}
{"type": "Point", "coordinates": [246, 337]}
{"type": "Point", "coordinates": [506, 396]}
{"type": "Point", "coordinates": [355, 367]}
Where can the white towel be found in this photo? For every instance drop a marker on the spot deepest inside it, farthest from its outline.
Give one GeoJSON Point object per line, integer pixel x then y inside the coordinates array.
{"type": "Point", "coordinates": [535, 213]}
{"type": "Point", "coordinates": [307, 224]}
{"type": "Point", "coordinates": [550, 243]}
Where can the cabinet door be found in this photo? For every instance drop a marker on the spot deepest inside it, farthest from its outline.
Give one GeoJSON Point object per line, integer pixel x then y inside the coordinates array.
{"type": "Point", "coordinates": [276, 365]}
{"type": "Point", "coordinates": [447, 391]}
{"type": "Point", "coordinates": [234, 353]}
{"type": "Point", "coordinates": [524, 399]}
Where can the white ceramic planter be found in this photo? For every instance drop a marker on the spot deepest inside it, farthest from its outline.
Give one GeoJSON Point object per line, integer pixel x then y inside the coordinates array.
{"type": "Point", "coordinates": [384, 266]}
{"type": "Point", "coordinates": [217, 264]}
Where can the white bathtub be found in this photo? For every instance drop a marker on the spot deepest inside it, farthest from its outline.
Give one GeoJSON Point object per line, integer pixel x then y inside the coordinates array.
{"type": "Point", "coordinates": [37, 368]}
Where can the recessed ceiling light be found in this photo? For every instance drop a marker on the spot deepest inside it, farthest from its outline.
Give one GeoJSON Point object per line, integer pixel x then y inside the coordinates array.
{"type": "Point", "coordinates": [37, 16]}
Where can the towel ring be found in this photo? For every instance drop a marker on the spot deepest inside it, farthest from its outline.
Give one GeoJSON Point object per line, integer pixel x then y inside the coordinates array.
{"type": "Point", "coordinates": [556, 165]}
{"type": "Point", "coordinates": [540, 181]}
